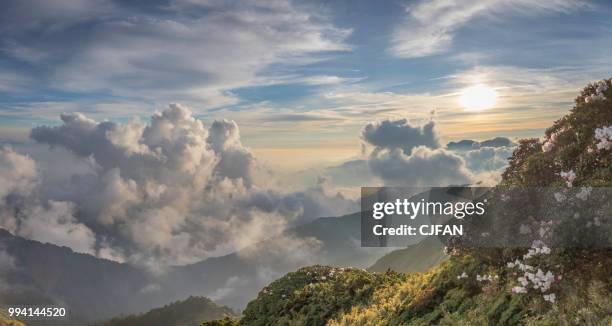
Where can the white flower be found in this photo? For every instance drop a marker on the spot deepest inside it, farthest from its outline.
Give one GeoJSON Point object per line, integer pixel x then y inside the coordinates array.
{"type": "Point", "coordinates": [550, 297]}
{"type": "Point", "coordinates": [600, 87]}
{"type": "Point", "coordinates": [519, 289]}
{"type": "Point", "coordinates": [604, 136]}
{"type": "Point", "coordinates": [584, 193]}
{"type": "Point", "coordinates": [463, 275]}
{"type": "Point", "coordinates": [552, 140]}
{"type": "Point", "coordinates": [537, 248]}
{"type": "Point", "coordinates": [559, 197]}
{"type": "Point", "coordinates": [484, 278]}
{"type": "Point", "coordinates": [569, 177]}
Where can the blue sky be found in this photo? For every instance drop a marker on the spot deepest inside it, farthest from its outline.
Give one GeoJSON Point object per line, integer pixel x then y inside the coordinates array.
{"type": "Point", "coordinates": [301, 77]}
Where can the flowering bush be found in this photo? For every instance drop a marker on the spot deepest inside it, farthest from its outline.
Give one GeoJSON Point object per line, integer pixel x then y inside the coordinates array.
{"type": "Point", "coordinates": [535, 283]}
{"type": "Point", "coordinates": [604, 137]}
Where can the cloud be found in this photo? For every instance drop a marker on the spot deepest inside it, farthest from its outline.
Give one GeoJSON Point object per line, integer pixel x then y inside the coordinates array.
{"type": "Point", "coordinates": [192, 51]}
{"type": "Point", "coordinates": [173, 191]}
{"type": "Point", "coordinates": [407, 155]}
{"type": "Point", "coordinates": [24, 214]}
{"type": "Point", "coordinates": [485, 159]}
{"type": "Point", "coordinates": [7, 264]}
{"type": "Point", "coordinates": [403, 155]}
{"type": "Point", "coordinates": [393, 134]}
{"type": "Point", "coordinates": [423, 167]}
{"type": "Point", "coordinates": [468, 144]}
{"type": "Point", "coordinates": [55, 223]}
{"type": "Point", "coordinates": [430, 26]}
{"type": "Point", "coordinates": [17, 173]}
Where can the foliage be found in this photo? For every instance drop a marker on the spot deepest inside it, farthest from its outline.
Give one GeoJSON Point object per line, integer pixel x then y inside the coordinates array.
{"type": "Point", "coordinates": [227, 321]}
{"type": "Point", "coordinates": [192, 311]}
{"type": "Point", "coordinates": [5, 320]}
{"type": "Point", "coordinates": [312, 295]}
{"type": "Point", "coordinates": [479, 286]}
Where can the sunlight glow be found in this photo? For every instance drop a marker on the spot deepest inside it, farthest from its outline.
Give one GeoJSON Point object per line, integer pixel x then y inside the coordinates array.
{"type": "Point", "coordinates": [478, 98]}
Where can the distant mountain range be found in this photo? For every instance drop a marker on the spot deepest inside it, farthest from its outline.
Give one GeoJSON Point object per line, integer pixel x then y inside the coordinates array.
{"type": "Point", "coordinates": [190, 312]}
{"type": "Point", "coordinates": [419, 257]}
{"type": "Point", "coordinates": [96, 289]}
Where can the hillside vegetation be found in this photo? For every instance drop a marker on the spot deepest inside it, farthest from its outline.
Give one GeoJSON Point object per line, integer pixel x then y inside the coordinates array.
{"type": "Point", "coordinates": [5, 320]}
{"type": "Point", "coordinates": [419, 257]}
{"type": "Point", "coordinates": [190, 312]}
{"type": "Point", "coordinates": [475, 286]}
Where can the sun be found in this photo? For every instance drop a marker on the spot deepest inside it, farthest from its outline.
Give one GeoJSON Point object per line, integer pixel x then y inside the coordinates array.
{"type": "Point", "coordinates": [478, 98]}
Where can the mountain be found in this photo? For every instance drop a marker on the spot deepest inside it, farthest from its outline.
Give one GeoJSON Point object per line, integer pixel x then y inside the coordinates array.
{"type": "Point", "coordinates": [190, 312]}
{"type": "Point", "coordinates": [419, 257]}
{"type": "Point", "coordinates": [90, 287]}
{"type": "Point", "coordinates": [236, 278]}
{"type": "Point", "coordinates": [493, 285]}
{"type": "Point", "coordinates": [49, 274]}
{"type": "Point", "coordinates": [5, 320]}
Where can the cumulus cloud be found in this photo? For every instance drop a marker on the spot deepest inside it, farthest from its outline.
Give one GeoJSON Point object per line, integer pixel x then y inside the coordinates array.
{"type": "Point", "coordinates": [423, 167]}
{"type": "Point", "coordinates": [170, 191]}
{"type": "Point", "coordinates": [17, 173]}
{"type": "Point", "coordinates": [430, 26]}
{"type": "Point", "coordinates": [410, 155]}
{"type": "Point", "coordinates": [407, 155]}
{"type": "Point", "coordinates": [392, 134]}
{"type": "Point", "coordinates": [487, 158]}
{"type": "Point", "coordinates": [24, 214]}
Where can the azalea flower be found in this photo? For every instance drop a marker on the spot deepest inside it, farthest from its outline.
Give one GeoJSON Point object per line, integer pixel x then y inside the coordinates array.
{"type": "Point", "coordinates": [550, 297]}
{"type": "Point", "coordinates": [604, 136]}
{"type": "Point", "coordinates": [559, 197]}
{"type": "Point", "coordinates": [483, 278]}
{"type": "Point", "coordinates": [552, 140]}
{"type": "Point", "coordinates": [600, 88]}
{"type": "Point", "coordinates": [569, 177]}
{"type": "Point", "coordinates": [584, 193]}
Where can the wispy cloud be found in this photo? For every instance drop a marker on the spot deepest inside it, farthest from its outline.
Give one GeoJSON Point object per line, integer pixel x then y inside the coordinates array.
{"type": "Point", "coordinates": [430, 26]}
{"type": "Point", "coordinates": [190, 51]}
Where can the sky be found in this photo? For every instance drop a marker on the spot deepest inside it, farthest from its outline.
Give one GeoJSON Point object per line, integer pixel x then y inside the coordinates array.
{"type": "Point", "coordinates": [160, 133]}
{"type": "Point", "coordinates": [301, 78]}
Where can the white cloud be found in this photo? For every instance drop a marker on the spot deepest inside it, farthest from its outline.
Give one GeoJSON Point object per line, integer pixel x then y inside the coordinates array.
{"type": "Point", "coordinates": [191, 51]}
{"type": "Point", "coordinates": [23, 213]}
{"type": "Point", "coordinates": [392, 134]}
{"type": "Point", "coordinates": [17, 173]}
{"type": "Point", "coordinates": [424, 167]}
{"type": "Point", "coordinates": [171, 191]}
{"type": "Point", "coordinates": [429, 26]}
